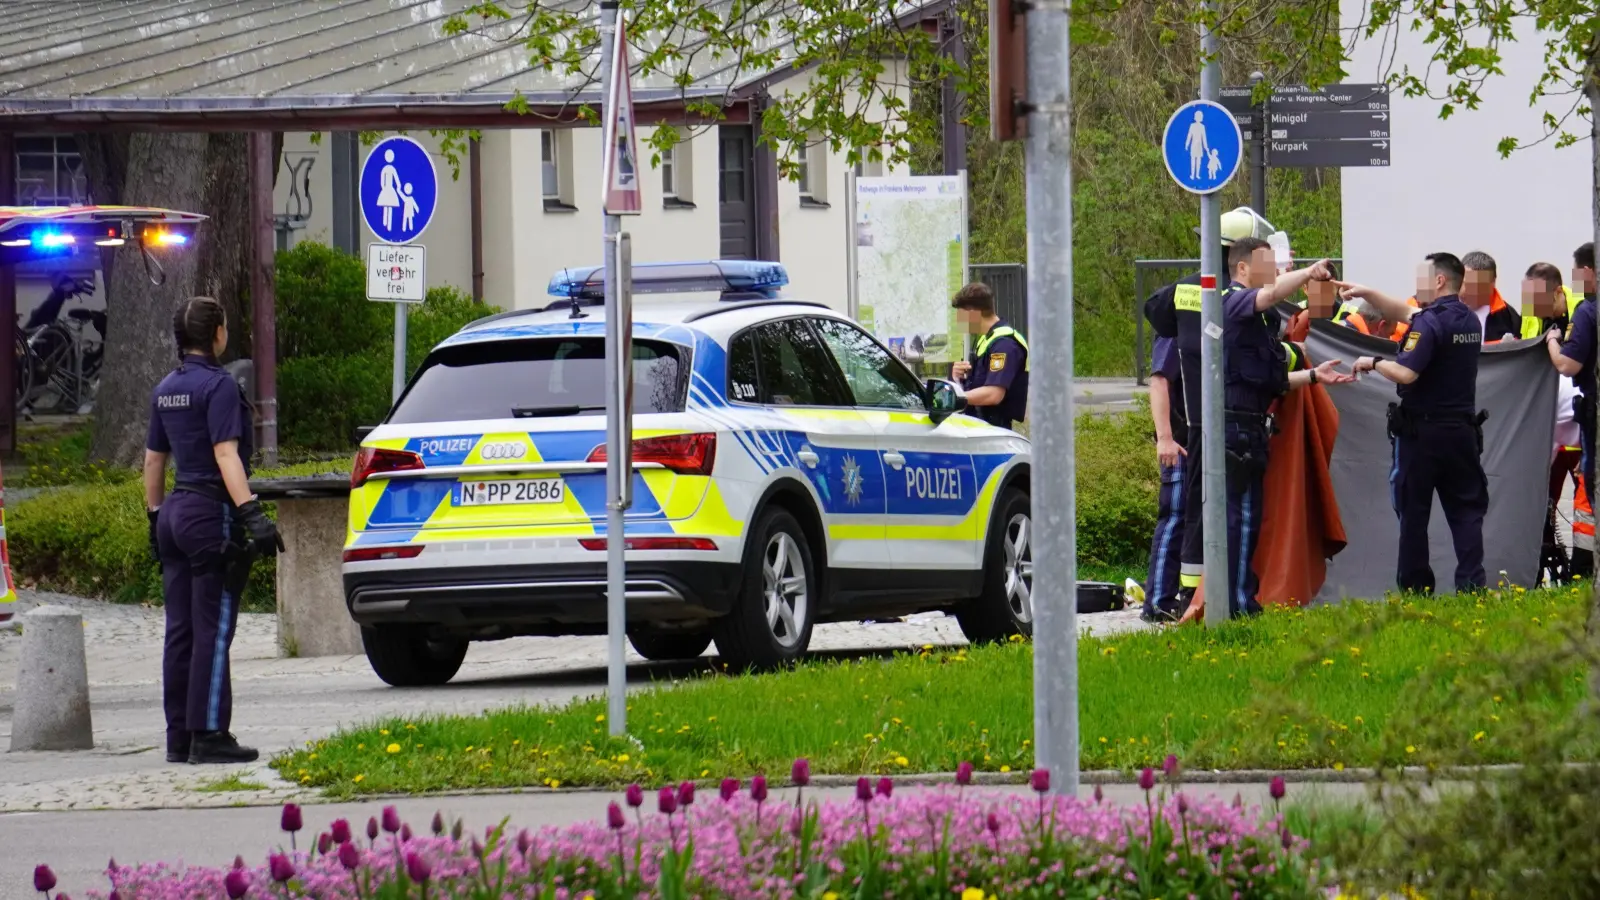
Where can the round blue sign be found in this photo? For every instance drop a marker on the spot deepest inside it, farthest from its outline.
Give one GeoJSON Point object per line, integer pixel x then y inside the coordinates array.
{"type": "Point", "coordinates": [399, 190]}
{"type": "Point", "coordinates": [1202, 147]}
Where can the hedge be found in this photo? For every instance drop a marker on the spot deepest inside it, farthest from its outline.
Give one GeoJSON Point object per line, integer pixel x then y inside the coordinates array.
{"type": "Point", "coordinates": [92, 540]}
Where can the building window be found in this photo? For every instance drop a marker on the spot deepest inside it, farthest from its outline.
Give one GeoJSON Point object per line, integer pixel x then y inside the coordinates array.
{"type": "Point", "coordinates": [813, 177]}
{"type": "Point", "coordinates": [50, 172]}
{"type": "Point", "coordinates": [677, 175]}
{"type": "Point", "coordinates": [555, 169]}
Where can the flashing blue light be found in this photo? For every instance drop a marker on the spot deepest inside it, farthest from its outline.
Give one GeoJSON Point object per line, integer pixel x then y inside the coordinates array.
{"type": "Point", "coordinates": [53, 239]}
{"type": "Point", "coordinates": [721, 275]}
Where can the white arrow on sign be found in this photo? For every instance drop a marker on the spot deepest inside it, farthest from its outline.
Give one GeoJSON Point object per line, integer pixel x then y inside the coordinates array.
{"type": "Point", "coordinates": [1383, 145]}
{"type": "Point", "coordinates": [1382, 117]}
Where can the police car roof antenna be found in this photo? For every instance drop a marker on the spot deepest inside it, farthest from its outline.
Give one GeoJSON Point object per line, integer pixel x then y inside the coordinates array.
{"type": "Point", "coordinates": [577, 309]}
{"type": "Point", "coordinates": [159, 277]}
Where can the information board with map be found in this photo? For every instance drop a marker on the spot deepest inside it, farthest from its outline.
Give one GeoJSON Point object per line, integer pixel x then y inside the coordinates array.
{"type": "Point", "coordinates": [910, 259]}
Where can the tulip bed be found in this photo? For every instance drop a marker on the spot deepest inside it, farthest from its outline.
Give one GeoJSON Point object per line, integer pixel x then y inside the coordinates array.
{"type": "Point", "coordinates": [952, 841]}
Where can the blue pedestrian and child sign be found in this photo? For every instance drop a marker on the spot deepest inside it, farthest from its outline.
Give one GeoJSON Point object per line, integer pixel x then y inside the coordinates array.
{"type": "Point", "coordinates": [1202, 147]}
{"type": "Point", "coordinates": [399, 190]}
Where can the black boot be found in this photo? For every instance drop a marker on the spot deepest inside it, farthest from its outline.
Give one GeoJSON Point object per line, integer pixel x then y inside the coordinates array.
{"type": "Point", "coordinates": [218, 747]}
{"type": "Point", "coordinates": [178, 748]}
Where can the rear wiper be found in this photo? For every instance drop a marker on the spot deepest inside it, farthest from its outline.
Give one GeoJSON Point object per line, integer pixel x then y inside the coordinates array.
{"type": "Point", "coordinates": [531, 412]}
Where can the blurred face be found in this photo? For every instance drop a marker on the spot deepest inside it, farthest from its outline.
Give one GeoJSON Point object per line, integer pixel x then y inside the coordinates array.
{"type": "Point", "coordinates": [1583, 280]}
{"type": "Point", "coordinates": [971, 320]}
{"type": "Point", "coordinates": [1323, 299]}
{"type": "Point", "coordinates": [1539, 296]}
{"type": "Point", "coordinates": [1477, 289]}
{"type": "Point", "coordinates": [1259, 271]}
{"type": "Point", "coordinates": [1430, 284]}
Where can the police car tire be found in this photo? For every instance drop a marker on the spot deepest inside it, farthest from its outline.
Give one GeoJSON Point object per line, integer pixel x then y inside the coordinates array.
{"type": "Point", "coordinates": [744, 640]}
{"type": "Point", "coordinates": [988, 618]}
{"type": "Point", "coordinates": [668, 646]}
{"type": "Point", "coordinates": [403, 656]}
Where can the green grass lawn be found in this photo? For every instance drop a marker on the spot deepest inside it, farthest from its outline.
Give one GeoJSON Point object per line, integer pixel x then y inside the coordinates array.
{"type": "Point", "coordinates": [1412, 682]}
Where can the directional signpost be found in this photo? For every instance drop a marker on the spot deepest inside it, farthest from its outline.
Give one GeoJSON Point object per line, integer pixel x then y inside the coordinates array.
{"type": "Point", "coordinates": [399, 193]}
{"type": "Point", "coordinates": [1203, 147]}
{"type": "Point", "coordinates": [1336, 126]}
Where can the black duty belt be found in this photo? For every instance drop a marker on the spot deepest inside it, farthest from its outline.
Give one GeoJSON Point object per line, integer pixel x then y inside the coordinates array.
{"type": "Point", "coordinates": [205, 489]}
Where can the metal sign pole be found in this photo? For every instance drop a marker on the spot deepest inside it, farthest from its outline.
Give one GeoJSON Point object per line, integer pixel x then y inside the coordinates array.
{"type": "Point", "coordinates": [1054, 505]}
{"type": "Point", "coordinates": [399, 351]}
{"type": "Point", "coordinates": [1214, 477]}
{"type": "Point", "coordinates": [616, 449]}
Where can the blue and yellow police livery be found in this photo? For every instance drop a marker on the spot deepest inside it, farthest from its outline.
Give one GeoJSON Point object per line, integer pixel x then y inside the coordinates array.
{"type": "Point", "coordinates": [787, 470]}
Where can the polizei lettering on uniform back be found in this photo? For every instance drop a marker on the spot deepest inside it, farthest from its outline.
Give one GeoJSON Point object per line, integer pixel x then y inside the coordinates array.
{"type": "Point", "coordinates": [1473, 338]}
{"type": "Point", "coordinates": [172, 401]}
{"type": "Point", "coordinates": [933, 484]}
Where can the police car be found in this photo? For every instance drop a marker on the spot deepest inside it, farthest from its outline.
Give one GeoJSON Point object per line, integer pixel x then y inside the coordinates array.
{"type": "Point", "coordinates": [788, 470]}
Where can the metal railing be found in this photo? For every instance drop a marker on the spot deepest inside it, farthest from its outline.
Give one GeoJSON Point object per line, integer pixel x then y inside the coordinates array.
{"type": "Point", "coordinates": [1009, 281]}
{"type": "Point", "coordinates": [1141, 354]}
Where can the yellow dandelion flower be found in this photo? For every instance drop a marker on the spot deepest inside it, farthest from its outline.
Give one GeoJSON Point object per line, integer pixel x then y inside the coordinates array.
{"type": "Point", "coordinates": [1338, 767]}
{"type": "Point", "coordinates": [600, 718]}
{"type": "Point", "coordinates": [393, 748]}
{"type": "Point", "coordinates": [901, 761]}
{"type": "Point", "coordinates": [360, 778]}
{"type": "Point", "coordinates": [1003, 768]}
{"type": "Point", "coordinates": [622, 757]}
{"type": "Point", "coordinates": [1478, 736]}
{"type": "Point", "coordinates": [383, 731]}
{"type": "Point", "coordinates": [1410, 749]}
{"type": "Point", "coordinates": [1327, 662]}
{"type": "Point", "coordinates": [972, 894]}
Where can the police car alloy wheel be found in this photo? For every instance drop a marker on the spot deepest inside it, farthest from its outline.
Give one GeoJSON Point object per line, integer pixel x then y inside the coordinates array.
{"type": "Point", "coordinates": [1005, 607]}
{"type": "Point", "coordinates": [408, 656]}
{"type": "Point", "coordinates": [771, 625]}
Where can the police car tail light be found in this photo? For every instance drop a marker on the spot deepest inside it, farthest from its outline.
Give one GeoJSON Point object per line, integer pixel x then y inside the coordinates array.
{"type": "Point", "coordinates": [653, 543]}
{"type": "Point", "coordinates": [373, 554]}
{"type": "Point", "coordinates": [685, 454]}
{"type": "Point", "coordinates": [373, 460]}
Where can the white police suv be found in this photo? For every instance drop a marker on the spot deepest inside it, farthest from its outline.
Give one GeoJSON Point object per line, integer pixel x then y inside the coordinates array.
{"type": "Point", "coordinates": [788, 470]}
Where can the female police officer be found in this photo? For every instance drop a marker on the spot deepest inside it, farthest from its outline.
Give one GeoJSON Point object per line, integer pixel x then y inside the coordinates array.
{"type": "Point", "coordinates": [205, 533]}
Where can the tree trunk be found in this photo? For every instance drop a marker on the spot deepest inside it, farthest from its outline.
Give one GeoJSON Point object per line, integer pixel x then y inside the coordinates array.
{"type": "Point", "coordinates": [166, 170]}
{"type": "Point", "coordinates": [204, 173]}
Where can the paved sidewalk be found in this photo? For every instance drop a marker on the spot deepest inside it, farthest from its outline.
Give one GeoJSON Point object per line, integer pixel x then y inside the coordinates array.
{"type": "Point", "coordinates": [78, 845]}
{"type": "Point", "coordinates": [280, 704]}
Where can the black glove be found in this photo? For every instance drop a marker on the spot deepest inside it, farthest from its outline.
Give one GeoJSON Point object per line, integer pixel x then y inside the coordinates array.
{"type": "Point", "coordinates": [262, 531]}
{"type": "Point", "coordinates": [155, 546]}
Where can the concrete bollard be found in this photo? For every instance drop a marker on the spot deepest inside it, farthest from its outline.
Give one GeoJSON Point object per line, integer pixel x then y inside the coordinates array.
{"type": "Point", "coordinates": [52, 711]}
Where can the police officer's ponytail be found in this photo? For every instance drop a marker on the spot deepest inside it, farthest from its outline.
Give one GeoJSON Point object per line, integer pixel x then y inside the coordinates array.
{"type": "Point", "coordinates": [195, 324]}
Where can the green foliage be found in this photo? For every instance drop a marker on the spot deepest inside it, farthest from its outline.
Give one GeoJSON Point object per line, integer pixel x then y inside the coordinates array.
{"type": "Point", "coordinates": [53, 456]}
{"type": "Point", "coordinates": [1364, 676]}
{"type": "Point", "coordinates": [1118, 480]}
{"type": "Point", "coordinates": [94, 541]}
{"type": "Point", "coordinates": [337, 347]}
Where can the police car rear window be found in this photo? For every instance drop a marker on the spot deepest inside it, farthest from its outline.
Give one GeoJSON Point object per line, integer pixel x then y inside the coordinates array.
{"type": "Point", "coordinates": [538, 378]}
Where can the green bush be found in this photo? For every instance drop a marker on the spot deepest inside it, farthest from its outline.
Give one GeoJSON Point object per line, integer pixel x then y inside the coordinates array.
{"type": "Point", "coordinates": [94, 541]}
{"type": "Point", "coordinates": [54, 456]}
{"type": "Point", "coordinates": [336, 347]}
{"type": "Point", "coordinates": [1118, 483]}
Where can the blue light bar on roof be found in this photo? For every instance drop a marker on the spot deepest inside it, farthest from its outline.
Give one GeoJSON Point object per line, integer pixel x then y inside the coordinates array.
{"type": "Point", "coordinates": [720, 275]}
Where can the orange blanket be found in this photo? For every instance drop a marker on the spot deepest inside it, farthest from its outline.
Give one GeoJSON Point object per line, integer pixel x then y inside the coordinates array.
{"type": "Point", "coordinates": [1301, 528]}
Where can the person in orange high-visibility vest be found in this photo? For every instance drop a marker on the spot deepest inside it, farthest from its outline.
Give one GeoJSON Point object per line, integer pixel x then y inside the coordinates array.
{"type": "Point", "coordinates": [1582, 531]}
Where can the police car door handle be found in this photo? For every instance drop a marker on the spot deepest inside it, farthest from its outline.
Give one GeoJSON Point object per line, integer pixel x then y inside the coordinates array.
{"type": "Point", "coordinates": [808, 457]}
{"type": "Point", "coordinates": [895, 459]}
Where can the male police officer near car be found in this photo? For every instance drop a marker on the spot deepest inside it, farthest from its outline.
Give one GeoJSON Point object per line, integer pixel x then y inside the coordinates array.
{"type": "Point", "coordinates": [1436, 429]}
{"type": "Point", "coordinates": [996, 378]}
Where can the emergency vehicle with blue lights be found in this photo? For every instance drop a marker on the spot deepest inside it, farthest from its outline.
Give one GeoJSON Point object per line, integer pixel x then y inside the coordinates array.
{"type": "Point", "coordinates": [788, 470]}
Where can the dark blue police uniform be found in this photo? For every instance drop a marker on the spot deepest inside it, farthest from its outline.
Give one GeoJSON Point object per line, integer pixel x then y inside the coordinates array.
{"type": "Point", "coordinates": [1579, 347]}
{"type": "Point", "coordinates": [196, 407]}
{"type": "Point", "coordinates": [1255, 373]}
{"type": "Point", "coordinates": [1000, 359]}
{"type": "Point", "coordinates": [1166, 545]}
{"type": "Point", "coordinates": [1436, 432]}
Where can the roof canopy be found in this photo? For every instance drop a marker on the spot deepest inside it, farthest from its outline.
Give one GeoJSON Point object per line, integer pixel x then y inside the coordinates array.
{"type": "Point", "coordinates": [283, 64]}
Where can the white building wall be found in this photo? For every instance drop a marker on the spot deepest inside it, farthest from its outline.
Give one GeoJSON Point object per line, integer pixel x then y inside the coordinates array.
{"type": "Point", "coordinates": [1447, 187]}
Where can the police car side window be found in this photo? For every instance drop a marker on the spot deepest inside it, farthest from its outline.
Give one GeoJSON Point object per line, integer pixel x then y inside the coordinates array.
{"type": "Point", "coordinates": [794, 366]}
{"type": "Point", "coordinates": [875, 377]}
{"type": "Point", "coordinates": [744, 379]}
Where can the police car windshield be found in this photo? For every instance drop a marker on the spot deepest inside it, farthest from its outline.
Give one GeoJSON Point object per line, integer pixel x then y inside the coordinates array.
{"type": "Point", "coordinates": [543, 377]}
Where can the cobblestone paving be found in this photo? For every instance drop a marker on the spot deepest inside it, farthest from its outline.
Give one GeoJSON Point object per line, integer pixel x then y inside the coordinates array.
{"type": "Point", "coordinates": [281, 703]}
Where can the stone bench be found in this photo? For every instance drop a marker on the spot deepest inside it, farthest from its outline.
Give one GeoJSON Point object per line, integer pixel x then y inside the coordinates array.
{"type": "Point", "coordinates": [313, 514]}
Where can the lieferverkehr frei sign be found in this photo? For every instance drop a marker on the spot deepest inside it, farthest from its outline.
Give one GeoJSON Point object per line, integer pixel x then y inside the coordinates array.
{"type": "Point", "coordinates": [397, 273]}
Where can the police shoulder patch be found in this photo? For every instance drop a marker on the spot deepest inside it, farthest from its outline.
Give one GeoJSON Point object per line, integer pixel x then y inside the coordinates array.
{"type": "Point", "coordinates": [997, 362]}
{"type": "Point", "coordinates": [1411, 340]}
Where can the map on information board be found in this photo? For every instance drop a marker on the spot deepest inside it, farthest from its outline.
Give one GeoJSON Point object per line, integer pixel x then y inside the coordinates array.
{"type": "Point", "coordinates": [911, 258]}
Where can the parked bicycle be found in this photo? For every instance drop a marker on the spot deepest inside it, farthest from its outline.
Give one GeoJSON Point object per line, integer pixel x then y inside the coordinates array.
{"type": "Point", "coordinates": [59, 360]}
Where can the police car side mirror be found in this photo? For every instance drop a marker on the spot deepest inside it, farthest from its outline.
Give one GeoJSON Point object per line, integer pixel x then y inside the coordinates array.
{"type": "Point", "coordinates": [361, 433]}
{"type": "Point", "coordinates": [945, 399]}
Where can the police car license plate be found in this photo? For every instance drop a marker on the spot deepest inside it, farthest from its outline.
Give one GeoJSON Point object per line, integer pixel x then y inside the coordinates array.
{"type": "Point", "coordinates": [494, 493]}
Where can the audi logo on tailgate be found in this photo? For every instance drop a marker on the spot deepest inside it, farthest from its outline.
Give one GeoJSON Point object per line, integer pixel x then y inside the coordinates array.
{"type": "Point", "coordinates": [503, 451]}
